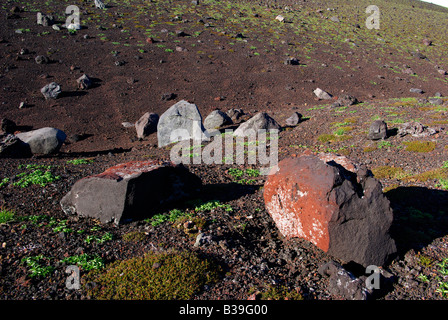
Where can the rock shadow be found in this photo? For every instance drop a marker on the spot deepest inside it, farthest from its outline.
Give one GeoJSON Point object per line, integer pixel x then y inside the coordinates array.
{"type": "Point", "coordinates": [420, 216]}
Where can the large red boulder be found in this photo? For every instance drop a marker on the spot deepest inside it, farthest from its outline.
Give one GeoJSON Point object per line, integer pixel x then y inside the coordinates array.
{"type": "Point", "coordinates": [343, 212]}
{"type": "Point", "coordinates": [130, 191]}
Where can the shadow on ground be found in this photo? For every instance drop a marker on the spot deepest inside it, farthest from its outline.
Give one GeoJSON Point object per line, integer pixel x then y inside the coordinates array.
{"type": "Point", "coordinates": [420, 216]}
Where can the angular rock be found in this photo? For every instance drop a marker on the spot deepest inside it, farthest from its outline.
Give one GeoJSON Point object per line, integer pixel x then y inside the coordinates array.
{"type": "Point", "coordinates": [416, 90]}
{"type": "Point", "coordinates": [51, 91]}
{"type": "Point", "coordinates": [427, 42]}
{"type": "Point", "coordinates": [130, 191]}
{"type": "Point", "coordinates": [261, 121]}
{"type": "Point", "coordinates": [377, 130]}
{"type": "Point", "coordinates": [292, 61]}
{"type": "Point", "coordinates": [84, 82]}
{"type": "Point", "coordinates": [235, 114]}
{"type": "Point", "coordinates": [182, 121]}
{"type": "Point", "coordinates": [43, 141]}
{"type": "Point", "coordinates": [294, 119]}
{"type": "Point", "coordinates": [321, 94]}
{"type": "Point", "coordinates": [343, 213]}
{"type": "Point", "coordinates": [99, 4]}
{"type": "Point", "coordinates": [415, 129]}
{"type": "Point", "coordinates": [13, 147]}
{"type": "Point", "coordinates": [146, 125]}
{"type": "Point", "coordinates": [8, 126]}
{"type": "Point", "coordinates": [347, 100]}
{"type": "Point", "coordinates": [217, 119]}
{"type": "Point", "coordinates": [342, 283]}
{"type": "Point", "coordinates": [436, 101]}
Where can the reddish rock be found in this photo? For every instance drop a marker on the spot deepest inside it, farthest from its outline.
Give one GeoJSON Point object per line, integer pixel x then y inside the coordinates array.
{"type": "Point", "coordinates": [130, 191]}
{"type": "Point", "coordinates": [342, 212]}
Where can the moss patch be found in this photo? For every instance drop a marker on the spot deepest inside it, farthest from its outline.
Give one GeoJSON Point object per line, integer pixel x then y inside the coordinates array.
{"type": "Point", "coordinates": [388, 172]}
{"type": "Point", "coordinates": [440, 173]}
{"type": "Point", "coordinates": [420, 146]}
{"type": "Point", "coordinates": [156, 276]}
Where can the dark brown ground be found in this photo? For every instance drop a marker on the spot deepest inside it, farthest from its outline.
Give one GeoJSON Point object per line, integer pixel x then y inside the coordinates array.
{"type": "Point", "coordinates": [211, 76]}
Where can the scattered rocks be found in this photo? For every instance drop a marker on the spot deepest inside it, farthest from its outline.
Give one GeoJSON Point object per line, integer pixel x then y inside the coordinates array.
{"type": "Point", "coordinates": [415, 129]}
{"type": "Point", "coordinates": [377, 130]}
{"type": "Point", "coordinates": [217, 119]}
{"type": "Point", "coordinates": [51, 91]}
{"type": "Point", "coordinates": [182, 121]}
{"type": "Point", "coordinates": [436, 101]}
{"type": "Point", "coordinates": [261, 121]}
{"type": "Point", "coordinates": [294, 119]}
{"type": "Point", "coordinates": [321, 94]}
{"type": "Point", "coordinates": [43, 141]}
{"type": "Point", "coordinates": [322, 202]}
{"type": "Point", "coordinates": [146, 125]}
{"type": "Point", "coordinates": [130, 191]}
{"type": "Point", "coordinates": [44, 20]}
{"type": "Point", "coordinates": [168, 96]}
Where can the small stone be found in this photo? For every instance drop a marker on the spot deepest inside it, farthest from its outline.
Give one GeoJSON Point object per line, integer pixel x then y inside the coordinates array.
{"type": "Point", "coordinates": [56, 27]}
{"type": "Point", "coordinates": [294, 119]}
{"type": "Point", "coordinates": [51, 91]}
{"type": "Point", "coordinates": [146, 125]}
{"type": "Point", "coordinates": [41, 60]}
{"type": "Point", "coordinates": [84, 82]}
{"type": "Point", "coordinates": [280, 18]}
{"type": "Point", "coordinates": [416, 90]}
{"type": "Point", "coordinates": [22, 105]}
{"type": "Point", "coordinates": [321, 94]}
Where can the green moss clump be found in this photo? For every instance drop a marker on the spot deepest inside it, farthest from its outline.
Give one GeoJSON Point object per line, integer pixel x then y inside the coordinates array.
{"type": "Point", "coordinates": [326, 138]}
{"type": "Point", "coordinates": [388, 172]}
{"type": "Point", "coordinates": [420, 146]}
{"type": "Point", "coordinates": [435, 174]}
{"type": "Point", "coordinates": [156, 276]}
{"type": "Point", "coordinates": [280, 293]}
{"type": "Point", "coordinates": [134, 236]}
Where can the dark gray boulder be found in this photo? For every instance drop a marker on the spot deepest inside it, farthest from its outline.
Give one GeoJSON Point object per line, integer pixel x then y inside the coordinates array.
{"type": "Point", "coordinates": [261, 121]}
{"type": "Point", "coordinates": [130, 191]}
{"type": "Point", "coordinates": [377, 130]}
{"type": "Point", "coordinates": [217, 119]}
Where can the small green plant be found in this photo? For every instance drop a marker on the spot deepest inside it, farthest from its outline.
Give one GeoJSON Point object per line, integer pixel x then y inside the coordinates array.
{"type": "Point", "coordinates": [6, 216]}
{"type": "Point", "coordinates": [61, 226]}
{"type": "Point", "coordinates": [172, 216]}
{"type": "Point", "coordinates": [134, 236]}
{"type": "Point", "coordinates": [212, 205]}
{"type": "Point", "coordinates": [4, 182]}
{"type": "Point", "coordinates": [384, 144]}
{"type": "Point", "coordinates": [280, 293]}
{"type": "Point", "coordinates": [79, 161]}
{"type": "Point", "coordinates": [100, 240]}
{"type": "Point", "coordinates": [85, 261]}
{"type": "Point", "coordinates": [37, 175]}
{"type": "Point", "coordinates": [35, 267]}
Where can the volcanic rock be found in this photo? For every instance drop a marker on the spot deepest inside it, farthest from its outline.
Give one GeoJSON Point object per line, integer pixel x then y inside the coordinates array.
{"type": "Point", "coordinates": [130, 191]}
{"type": "Point", "coordinates": [217, 119]}
{"type": "Point", "coordinates": [415, 129]}
{"type": "Point", "coordinates": [51, 91]}
{"type": "Point", "coordinates": [43, 141]}
{"type": "Point", "coordinates": [321, 94]}
{"type": "Point", "coordinates": [182, 121]}
{"type": "Point", "coordinates": [146, 125]}
{"type": "Point", "coordinates": [261, 121]}
{"type": "Point", "coordinates": [343, 213]}
{"type": "Point", "coordinates": [294, 119]}
{"type": "Point", "coordinates": [377, 130]}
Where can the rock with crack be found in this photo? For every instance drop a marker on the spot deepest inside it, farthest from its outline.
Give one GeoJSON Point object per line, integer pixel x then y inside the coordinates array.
{"type": "Point", "coordinates": [415, 129]}
{"type": "Point", "coordinates": [130, 191]}
{"type": "Point", "coordinates": [261, 121]}
{"type": "Point", "coordinates": [146, 125]}
{"type": "Point", "coordinates": [43, 141]}
{"type": "Point", "coordinates": [51, 91]}
{"type": "Point", "coordinates": [344, 213]}
{"type": "Point", "coordinates": [182, 121]}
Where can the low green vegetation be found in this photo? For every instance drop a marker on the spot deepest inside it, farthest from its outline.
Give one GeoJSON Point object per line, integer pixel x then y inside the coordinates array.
{"type": "Point", "coordinates": [38, 266]}
{"type": "Point", "coordinates": [35, 175]}
{"type": "Point", "coordinates": [388, 172]}
{"type": "Point", "coordinates": [156, 276]}
{"type": "Point", "coordinates": [6, 216]}
{"type": "Point", "coordinates": [80, 161]}
{"type": "Point", "coordinates": [85, 261]}
{"type": "Point", "coordinates": [244, 176]}
{"type": "Point", "coordinates": [420, 146]}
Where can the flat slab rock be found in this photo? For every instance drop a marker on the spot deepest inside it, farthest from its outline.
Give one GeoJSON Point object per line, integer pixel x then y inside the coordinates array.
{"type": "Point", "coordinates": [130, 191]}
{"type": "Point", "coordinates": [341, 211]}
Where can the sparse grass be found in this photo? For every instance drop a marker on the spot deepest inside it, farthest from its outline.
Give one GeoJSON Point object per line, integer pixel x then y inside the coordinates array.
{"type": "Point", "coordinates": [156, 276]}
{"type": "Point", "coordinates": [36, 175]}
